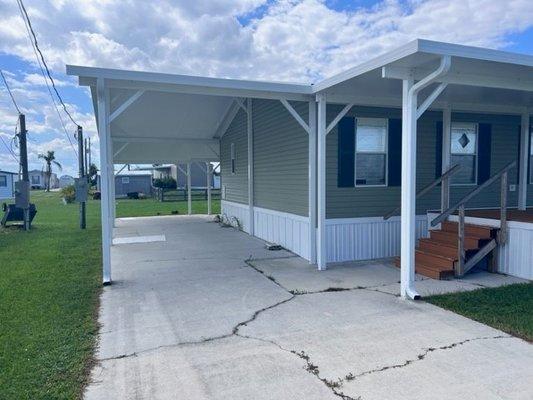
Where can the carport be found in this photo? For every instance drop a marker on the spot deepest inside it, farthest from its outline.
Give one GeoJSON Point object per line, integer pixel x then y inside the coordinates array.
{"type": "Point", "coordinates": [149, 118]}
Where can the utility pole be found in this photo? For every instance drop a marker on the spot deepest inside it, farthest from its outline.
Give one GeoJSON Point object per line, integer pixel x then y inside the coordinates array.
{"type": "Point", "coordinates": [82, 183]}
{"type": "Point", "coordinates": [86, 156]}
{"type": "Point", "coordinates": [23, 192]}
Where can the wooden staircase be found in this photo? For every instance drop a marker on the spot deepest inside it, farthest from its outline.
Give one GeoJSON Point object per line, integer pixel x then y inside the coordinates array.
{"type": "Point", "coordinates": [437, 256]}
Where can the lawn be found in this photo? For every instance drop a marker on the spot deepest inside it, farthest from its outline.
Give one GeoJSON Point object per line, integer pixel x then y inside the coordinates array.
{"type": "Point", "coordinates": [508, 308]}
{"type": "Point", "coordinates": [50, 280]}
{"type": "Point", "coordinates": [150, 206]}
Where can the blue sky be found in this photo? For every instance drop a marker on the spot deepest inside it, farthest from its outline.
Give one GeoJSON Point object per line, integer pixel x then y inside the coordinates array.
{"type": "Point", "coordinates": [293, 40]}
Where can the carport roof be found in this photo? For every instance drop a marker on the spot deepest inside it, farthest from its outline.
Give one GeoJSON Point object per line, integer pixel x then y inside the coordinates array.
{"type": "Point", "coordinates": [166, 118]}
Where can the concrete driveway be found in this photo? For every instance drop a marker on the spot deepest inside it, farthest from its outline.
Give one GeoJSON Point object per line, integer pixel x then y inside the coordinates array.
{"type": "Point", "coordinates": [197, 311]}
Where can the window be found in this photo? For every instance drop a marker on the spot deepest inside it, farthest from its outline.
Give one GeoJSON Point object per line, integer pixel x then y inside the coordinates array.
{"type": "Point", "coordinates": [3, 181]}
{"type": "Point", "coordinates": [35, 179]}
{"type": "Point", "coordinates": [464, 152]}
{"type": "Point", "coordinates": [233, 158]}
{"type": "Point", "coordinates": [371, 152]}
{"type": "Point", "coordinates": [125, 179]}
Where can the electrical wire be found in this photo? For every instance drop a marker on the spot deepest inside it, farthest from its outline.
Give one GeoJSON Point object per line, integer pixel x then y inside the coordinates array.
{"type": "Point", "coordinates": [27, 18]}
{"type": "Point", "coordinates": [37, 51]}
{"type": "Point", "coordinates": [9, 91]}
{"type": "Point", "coordinates": [9, 149]}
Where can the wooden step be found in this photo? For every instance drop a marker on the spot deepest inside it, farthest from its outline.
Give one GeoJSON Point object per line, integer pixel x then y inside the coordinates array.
{"type": "Point", "coordinates": [432, 259]}
{"type": "Point", "coordinates": [430, 271]}
{"type": "Point", "coordinates": [485, 232]}
{"type": "Point", "coordinates": [440, 248]}
{"type": "Point", "coordinates": [471, 242]}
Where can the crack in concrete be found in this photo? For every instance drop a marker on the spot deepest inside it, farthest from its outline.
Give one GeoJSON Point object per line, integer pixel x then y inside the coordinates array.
{"type": "Point", "coordinates": [350, 376]}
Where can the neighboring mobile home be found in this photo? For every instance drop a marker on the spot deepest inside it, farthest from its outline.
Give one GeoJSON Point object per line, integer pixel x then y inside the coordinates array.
{"type": "Point", "coordinates": [319, 168]}
{"type": "Point", "coordinates": [179, 173]}
{"type": "Point", "coordinates": [7, 185]}
{"type": "Point", "coordinates": [38, 179]}
{"type": "Point", "coordinates": [133, 181]}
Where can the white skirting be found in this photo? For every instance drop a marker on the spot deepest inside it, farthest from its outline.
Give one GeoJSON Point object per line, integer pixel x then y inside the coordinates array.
{"type": "Point", "coordinates": [366, 238]}
{"type": "Point", "coordinates": [287, 230]}
{"type": "Point", "coordinates": [236, 211]}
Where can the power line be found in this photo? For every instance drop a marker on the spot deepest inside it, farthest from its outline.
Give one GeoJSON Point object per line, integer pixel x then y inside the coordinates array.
{"type": "Point", "coordinates": [9, 149]}
{"type": "Point", "coordinates": [36, 50]}
{"type": "Point", "coordinates": [27, 18]}
{"type": "Point", "coordinates": [9, 91]}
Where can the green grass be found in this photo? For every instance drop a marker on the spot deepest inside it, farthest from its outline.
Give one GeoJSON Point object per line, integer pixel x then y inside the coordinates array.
{"type": "Point", "coordinates": [148, 207]}
{"type": "Point", "coordinates": [49, 286]}
{"type": "Point", "coordinates": [508, 308]}
{"type": "Point", "coordinates": [50, 280]}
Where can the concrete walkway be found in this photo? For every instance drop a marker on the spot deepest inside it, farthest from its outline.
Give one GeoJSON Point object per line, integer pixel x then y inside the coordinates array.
{"type": "Point", "coordinates": [206, 312]}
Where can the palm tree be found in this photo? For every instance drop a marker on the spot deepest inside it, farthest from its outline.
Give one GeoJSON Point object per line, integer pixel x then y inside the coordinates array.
{"type": "Point", "coordinates": [49, 159]}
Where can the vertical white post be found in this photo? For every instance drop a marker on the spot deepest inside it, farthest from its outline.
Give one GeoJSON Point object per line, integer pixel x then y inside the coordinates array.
{"type": "Point", "coordinates": [249, 128]}
{"type": "Point", "coordinates": [104, 133]}
{"type": "Point", "coordinates": [189, 190]}
{"type": "Point", "coordinates": [312, 181]}
{"type": "Point", "coordinates": [209, 173]}
{"type": "Point", "coordinates": [446, 157]}
{"type": "Point", "coordinates": [408, 189]}
{"type": "Point", "coordinates": [321, 182]}
{"type": "Point", "coordinates": [524, 156]}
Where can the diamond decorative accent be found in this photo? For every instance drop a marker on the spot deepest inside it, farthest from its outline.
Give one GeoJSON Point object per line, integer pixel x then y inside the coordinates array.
{"type": "Point", "coordinates": [463, 140]}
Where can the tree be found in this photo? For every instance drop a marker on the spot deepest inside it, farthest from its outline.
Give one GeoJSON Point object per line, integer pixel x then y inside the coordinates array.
{"type": "Point", "coordinates": [49, 159]}
{"type": "Point", "coordinates": [93, 173]}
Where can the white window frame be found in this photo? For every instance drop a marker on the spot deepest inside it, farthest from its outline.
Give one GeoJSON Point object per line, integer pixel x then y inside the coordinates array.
{"type": "Point", "coordinates": [3, 178]}
{"type": "Point", "coordinates": [476, 155]}
{"type": "Point", "coordinates": [386, 152]}
{"type": "Point", "coordinates": [125, 180]}
{"type": "Point", "coordinates": [233, 161]}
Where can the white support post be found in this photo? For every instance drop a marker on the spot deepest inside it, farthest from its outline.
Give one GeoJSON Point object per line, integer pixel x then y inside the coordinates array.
{"type": "Point", "coordinates": [321, 182]}
{"type": "Point", "coordinates": [189, 191]}
{"type": "Point", "coordinates": [104, 133]}
{"type": "Point", "coordinates": [249, 128]}
{"type": "Point", "coordinates": [524, 157]}
{"type": "Point", "coordinates": [446, 157]}
{"type": "Point", "coordinates": [312, 181]}
{"type": "Point", "coordinates": [209, 174]}
{"type": "Point", "coordinates": [408, 188]}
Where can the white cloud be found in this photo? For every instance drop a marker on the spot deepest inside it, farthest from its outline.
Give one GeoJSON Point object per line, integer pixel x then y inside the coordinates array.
{"type": "Point", "coordinates": [289, 40]}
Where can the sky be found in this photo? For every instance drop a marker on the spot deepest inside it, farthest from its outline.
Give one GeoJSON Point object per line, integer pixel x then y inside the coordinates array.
{"type": "Point", "coordinates": [282, 40]}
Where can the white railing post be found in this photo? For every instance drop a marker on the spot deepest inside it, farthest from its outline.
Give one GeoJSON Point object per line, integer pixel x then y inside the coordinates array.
{"type": "Point", "coordinates": [524, 156]}
{"type": "Point", "coordinates": [209, 173]}
{"type": "Point", "coordinates": [189, 190]}
{"type": "Point", "coordinates": [312, 181]}
{"type": "Point", "coordinates": [321, 183]}
{"type": "Point", "coordinates": [105, 193]}
{"type": "Point", "coordinates": [408, 188]}
{"type": "Point", "coordinates": [250, 133]}
{"type": "Point", "coordinates": [446, 157]}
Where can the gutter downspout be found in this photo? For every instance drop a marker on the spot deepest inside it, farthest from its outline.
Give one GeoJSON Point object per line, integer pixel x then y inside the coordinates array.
{"type": "Point", "coordinates": [412, 114]}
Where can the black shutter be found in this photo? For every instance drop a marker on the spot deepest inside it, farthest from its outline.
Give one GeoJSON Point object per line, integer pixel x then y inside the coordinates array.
{"type": "Point", "coordinates": [395, 152]}
{"type": "Point", "coordinates": [484, 150]}
{"type": "Point", "coordinates": [346, 152]}
{"type": "Point", "coordinates": [438, 150]}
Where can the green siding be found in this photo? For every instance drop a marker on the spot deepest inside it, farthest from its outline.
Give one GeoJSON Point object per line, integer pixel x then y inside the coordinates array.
{"type": "Point", "coordinates": [376, 201]}
{"type": "Point", "coordinates": [280, 157]}
{"type": "Point", "coordinates": [236, 184]}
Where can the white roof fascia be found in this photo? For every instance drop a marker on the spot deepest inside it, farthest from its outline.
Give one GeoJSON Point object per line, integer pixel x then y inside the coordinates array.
{"type": "Point", "coordinates": [378, 62]}
{"type": "Point", "coordinates": [428, 47]}
{"type": "Point", "coordinates": [190, 84]}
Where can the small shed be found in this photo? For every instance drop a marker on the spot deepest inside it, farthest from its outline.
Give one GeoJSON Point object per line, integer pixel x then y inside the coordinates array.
{"type": "Point", "coordinates": [7, 185]}
{"type": "Point", "coordinates": [133, 181]}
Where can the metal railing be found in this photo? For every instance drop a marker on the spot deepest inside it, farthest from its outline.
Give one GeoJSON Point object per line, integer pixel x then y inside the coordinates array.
{"type": "Point", "coordinates": [448, 174]}
{"type": "Point", "coordinates": [463, 267]}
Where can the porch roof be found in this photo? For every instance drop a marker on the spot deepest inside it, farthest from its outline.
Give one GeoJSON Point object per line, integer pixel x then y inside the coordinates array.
{"type": "Point", "coordinates": [166, 118]}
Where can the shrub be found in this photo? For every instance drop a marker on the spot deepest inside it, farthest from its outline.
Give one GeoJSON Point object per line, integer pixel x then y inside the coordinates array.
{"type": "Point", "coordinates": [69, 193]}
{"type": "Point", "coordinates": [165, 183]}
